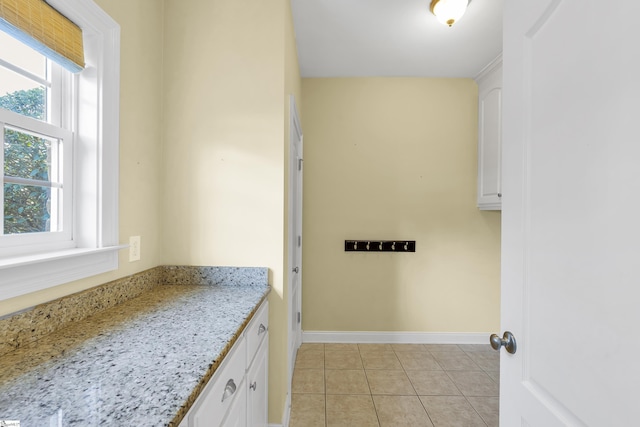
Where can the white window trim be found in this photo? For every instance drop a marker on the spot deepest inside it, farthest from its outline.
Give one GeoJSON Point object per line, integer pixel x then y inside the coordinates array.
{"type": "Point", "coordinates": [19, 244]}
{"type": "Point", "coordinates": [96, 144]}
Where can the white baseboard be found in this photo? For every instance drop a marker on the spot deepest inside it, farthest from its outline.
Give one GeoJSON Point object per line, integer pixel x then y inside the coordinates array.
{"type": "Point", "coordinates": [396, 337]}
{"type": "Point", "coordinates": [285, 415]}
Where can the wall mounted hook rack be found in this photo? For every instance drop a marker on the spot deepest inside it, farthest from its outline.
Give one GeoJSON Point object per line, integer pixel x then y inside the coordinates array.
{"type": "Point", "coordinates": [380, 245]}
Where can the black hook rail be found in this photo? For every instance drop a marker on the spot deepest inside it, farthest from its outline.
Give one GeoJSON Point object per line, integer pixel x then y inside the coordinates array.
{"type": "Point", "coordinates": [379, 245]}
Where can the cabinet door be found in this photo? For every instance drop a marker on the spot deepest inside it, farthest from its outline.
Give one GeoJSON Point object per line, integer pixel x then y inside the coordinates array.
{"type": "Point", "coordinates": [221, 392]}
{"type": "Point", "coordinates": [490, 139]}
{"type": "Point", "coordinates": [256, 331]}
{"type": "Point", "coordinates": [257, 385]}
{"type": "Point", "coordinates": [237, 414]}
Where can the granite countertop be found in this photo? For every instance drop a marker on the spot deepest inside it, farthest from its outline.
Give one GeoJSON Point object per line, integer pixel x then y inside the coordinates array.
{"type": "Point", "coordinates": [140, 363]}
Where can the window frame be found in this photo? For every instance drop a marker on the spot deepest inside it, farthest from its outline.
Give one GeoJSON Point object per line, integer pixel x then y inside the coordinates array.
{"type": "Point", "coordinates": [60, 88]}
{"type": "Point", "coordinates": [17, 244]}
{"type": "Point", "coordinates": [95, 175]}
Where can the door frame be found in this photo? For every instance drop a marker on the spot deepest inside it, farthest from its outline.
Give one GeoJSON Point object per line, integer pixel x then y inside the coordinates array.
{"type": "Point", "coordinates": [294, 230]}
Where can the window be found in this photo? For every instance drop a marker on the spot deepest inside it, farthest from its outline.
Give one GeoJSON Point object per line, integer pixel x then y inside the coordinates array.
{"type": "Point", "coordinates": [59, 158]}
{"type": "Point", "coordinates": [35, 129]}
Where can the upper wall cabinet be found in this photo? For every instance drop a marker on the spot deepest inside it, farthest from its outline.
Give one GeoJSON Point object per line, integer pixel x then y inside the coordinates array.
{"type": "Point", "coordinates": [490, 136]}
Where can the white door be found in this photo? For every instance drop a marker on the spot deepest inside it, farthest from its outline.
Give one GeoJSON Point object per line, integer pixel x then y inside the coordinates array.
{"type": "Point", "coordinates": [295, 235]}
{"type": "Point", "coordinates": [571, 213]}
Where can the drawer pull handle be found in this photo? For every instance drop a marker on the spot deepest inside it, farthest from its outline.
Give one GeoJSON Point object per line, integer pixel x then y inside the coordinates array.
{"type": "Point", "coordinates": [229, 389]}
{"type": "Point", "coordinates": [253, 386]}
{"type": "Point", "coordinates": [262, 329]}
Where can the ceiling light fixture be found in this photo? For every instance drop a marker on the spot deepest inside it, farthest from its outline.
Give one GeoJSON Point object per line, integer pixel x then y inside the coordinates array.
{"type": "Point", "coordinates": [449, 11]}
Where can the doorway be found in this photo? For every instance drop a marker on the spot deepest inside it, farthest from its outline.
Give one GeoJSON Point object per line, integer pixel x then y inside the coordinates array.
{"type": "Point", "coordinates": [295, 235]}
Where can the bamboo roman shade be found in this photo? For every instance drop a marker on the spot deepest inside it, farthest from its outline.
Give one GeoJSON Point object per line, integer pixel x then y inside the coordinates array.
{"type": "Point", "coordinates": [46, 30]}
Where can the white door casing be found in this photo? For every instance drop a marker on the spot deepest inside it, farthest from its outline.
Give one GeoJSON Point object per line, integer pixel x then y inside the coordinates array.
{"type": "Point", "coordinates": [295, 235]}
{"type": "Point", "coordinates": [570, 213]}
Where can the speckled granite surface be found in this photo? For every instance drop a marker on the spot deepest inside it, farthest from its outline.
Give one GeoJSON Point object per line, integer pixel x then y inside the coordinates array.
{"type": "Point", "coordinates": [140, 363]}
{"type": "Point", "coordinates": [30, 325]}
{"type": "Point", "coordinates": [239, 276]}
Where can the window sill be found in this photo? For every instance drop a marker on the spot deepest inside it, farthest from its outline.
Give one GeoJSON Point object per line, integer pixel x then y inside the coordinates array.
{"type": "Point", "coordinates": [26, 274]}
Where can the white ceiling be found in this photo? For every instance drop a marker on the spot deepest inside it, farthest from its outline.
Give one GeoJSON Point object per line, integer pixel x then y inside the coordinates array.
{"type": "Point", "coordinates": [357, 38]}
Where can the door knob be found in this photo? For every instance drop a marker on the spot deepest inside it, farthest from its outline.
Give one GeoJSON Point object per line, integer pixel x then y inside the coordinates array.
{"type": "Point", "coordinates": [295, 270]}
{"type": "Point", "coordinates": [507, 340]}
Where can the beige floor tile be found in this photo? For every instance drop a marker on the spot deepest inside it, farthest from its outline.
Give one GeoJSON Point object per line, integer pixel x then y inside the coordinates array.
{"type": "Point", "coordinates": [495, 375]}
{"type": "Point", "coordinates": [327, 393]}
{"type": "Point", "coordinates": [455, 361]}
{"type": "Point", "coordinates": [417, 360]}
{"type": "Point", "coordinates": [346, 381]}
{"type": "Point", "coordinates": [472, 348]}
{"type": "Point", "coordinates": [307, 410]}
{"type": "Point", "coordinates": [488, 408]}
{"type": "Point", "coordinates": [384, 381]}
{"type": "Point", "coordinates": [310, 359]}
{"type": "Point", "coordinates": [474, 383]}
{"type": "Point", "coordinates": [308, 381]}
{"type": "Point", "coordinates": [408, 347]}
{"type": "Point", "coordinates": [351, 411]}
{"type": "Point", "coordinates": [340, 347]}
{"type": "Point", "coordinates": [342, 360]}
{"type": "Point", "coordinates": [374, 347]}
{"type": "Point", "coordinates": [432, 383]}
{"type": "Point", "coordinates": [311, 347]}
{"type": "Point", "coordinates": [485, 360]}
{"type": "Point", "coordinates": [380, 360]}
{"type": "Point", "coordinates": [401, 411]}
{"type": "Point", "coordinates": [448, 348]}
{"type": "Point", "coordinates": [451, 411]}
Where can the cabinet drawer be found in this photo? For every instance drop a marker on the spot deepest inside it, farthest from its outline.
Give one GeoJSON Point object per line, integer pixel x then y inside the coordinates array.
{"type": "Point", "coordinates": [219, 393]}
{"type": "Point", "coordinates": [257, 330]}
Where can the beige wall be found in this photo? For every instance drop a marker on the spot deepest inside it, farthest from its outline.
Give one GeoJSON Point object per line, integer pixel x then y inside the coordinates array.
{"type": "Point", "coordinates": [140, 145]}
{"type": "Point", "coordinates": [228, 67]}
{"type": "Point", "coordinates": [395, 158]}
{"type": "Point", "coordinates": [224, 68]}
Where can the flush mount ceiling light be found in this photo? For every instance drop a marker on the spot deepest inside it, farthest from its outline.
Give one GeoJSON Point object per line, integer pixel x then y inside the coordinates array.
{"type": "Point", "coordinates": [449, 11]}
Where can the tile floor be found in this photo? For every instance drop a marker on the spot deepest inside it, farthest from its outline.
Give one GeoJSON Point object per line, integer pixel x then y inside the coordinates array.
{"type": "Point", "coordinates": [380, 385]}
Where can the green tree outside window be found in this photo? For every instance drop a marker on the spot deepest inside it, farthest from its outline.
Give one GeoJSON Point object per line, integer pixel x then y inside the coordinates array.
{"type": "Point", "coordinates": [26, 208]}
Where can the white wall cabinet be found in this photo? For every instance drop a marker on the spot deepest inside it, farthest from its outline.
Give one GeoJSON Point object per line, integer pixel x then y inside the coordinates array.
{"type": "Point", "coordinates": [490, 136]}
{"type": "Point", "coordinates": [236, 395]}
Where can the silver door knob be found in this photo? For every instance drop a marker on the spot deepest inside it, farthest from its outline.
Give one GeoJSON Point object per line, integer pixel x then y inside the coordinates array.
{"type": "Point", "coordinates": [295, 270]}
{"type": "Point", "coordinates": [507, 340]}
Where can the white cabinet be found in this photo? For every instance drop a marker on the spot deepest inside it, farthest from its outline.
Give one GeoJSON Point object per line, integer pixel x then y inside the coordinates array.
{"type": "Point", "coordinates": [257, 385]}
{"type": "Point", "coordinates": [490, 136]}
{"type": "Point", "coordinates": [237, 414]}
{"type": "Point", "coordinates": [236, 395]}
{"type": "Point", "coordinates": [221, 391]}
